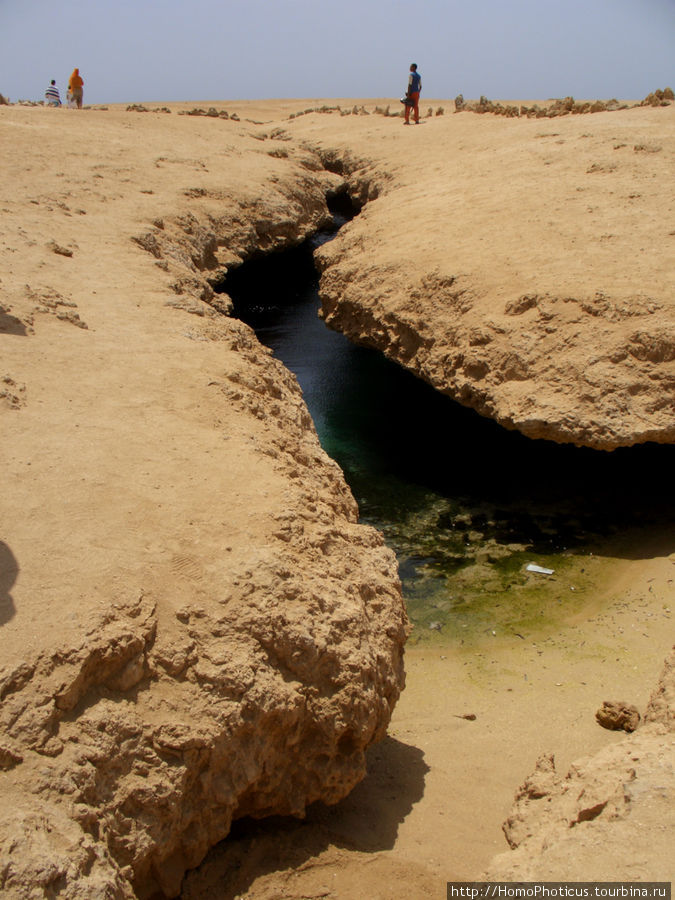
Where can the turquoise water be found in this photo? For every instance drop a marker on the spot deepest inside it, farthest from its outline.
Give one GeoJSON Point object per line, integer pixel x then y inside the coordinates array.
{"type": "Point", "coordinates": [464, 503]}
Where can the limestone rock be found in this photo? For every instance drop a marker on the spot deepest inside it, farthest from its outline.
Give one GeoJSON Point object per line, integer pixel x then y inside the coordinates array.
{"type": "Point", "coordinates": [196, 627]}
{"type": "Point", "coordinates": [659, 98]}
{"type": "Point", "coordinates": [610, 817]}
{"type": "Point", "coordinates": [618, 716]}
{"type": "Point", "coordinates": [147, 742]}
{"type": "Point", "coordinates": [661, 706]}
{"type": "Point", "coordinates": [426, 292]}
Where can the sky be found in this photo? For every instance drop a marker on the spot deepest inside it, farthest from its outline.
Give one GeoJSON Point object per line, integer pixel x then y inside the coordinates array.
{"type": "Point", "coordinates": [134, 51]}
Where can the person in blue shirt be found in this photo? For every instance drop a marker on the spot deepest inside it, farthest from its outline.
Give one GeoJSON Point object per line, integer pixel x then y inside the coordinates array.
{"type": "Point", "coordinates": [413, 94]}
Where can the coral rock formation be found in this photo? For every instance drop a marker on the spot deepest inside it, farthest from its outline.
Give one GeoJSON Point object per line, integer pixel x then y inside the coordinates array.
{"type": "Point", "coordinates": [195, 627]}
{"type": "Point", "coordinates": [143, 743]}
{"type": "Point", "coordinates": [616, 715]}
{"type": "Point", "coordinates": [525, 290]}
{"type": "Point", "coordinates": [610, 818]}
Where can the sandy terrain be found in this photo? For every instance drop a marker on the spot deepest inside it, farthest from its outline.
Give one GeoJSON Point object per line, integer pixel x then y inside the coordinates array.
{"type": "Point", "coordinates": [128, 478]}
{"type": "Point", "coordinates": [440, 786]}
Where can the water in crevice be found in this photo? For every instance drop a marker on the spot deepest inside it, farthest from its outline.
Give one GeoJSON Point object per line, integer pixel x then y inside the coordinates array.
{"type": "Point", "coordinates": [464, 503]}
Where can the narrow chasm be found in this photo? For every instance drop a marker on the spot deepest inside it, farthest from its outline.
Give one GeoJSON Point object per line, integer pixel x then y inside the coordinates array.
{"type": "Point", "coordinates": [466, 505]}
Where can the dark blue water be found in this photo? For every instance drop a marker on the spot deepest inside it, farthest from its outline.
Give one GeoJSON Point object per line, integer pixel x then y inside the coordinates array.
{"type": "Point", "coordinates": [447, 487]}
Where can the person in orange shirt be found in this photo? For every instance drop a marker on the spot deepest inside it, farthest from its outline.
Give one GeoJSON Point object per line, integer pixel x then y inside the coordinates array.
{"type": "Point", "coordinates": [75, 87]}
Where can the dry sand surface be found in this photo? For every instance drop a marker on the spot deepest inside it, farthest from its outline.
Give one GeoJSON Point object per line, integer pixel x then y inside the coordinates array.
{"type": "Point", "coordinates": [156, 463]}
{"type": "Point", "coordinates": [441, 785]}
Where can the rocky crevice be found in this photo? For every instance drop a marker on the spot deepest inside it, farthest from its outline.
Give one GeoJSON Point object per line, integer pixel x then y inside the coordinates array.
{"type": "Point", "coordinates": [518, 366]}
{"type": "Point", "coordinates": [521, 375]}
{"type": "Point", "coordinates": [141, 745]}
{"type": "Point", "coordinates": [196, 248]}
{"type": "Point", "coordinates": [517, 359]}
{"type": "Point", "coordinates": [144, 743]}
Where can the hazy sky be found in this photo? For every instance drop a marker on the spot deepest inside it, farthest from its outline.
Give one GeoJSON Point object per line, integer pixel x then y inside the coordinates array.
{"type": "Point", "coordinates": [153, 50]}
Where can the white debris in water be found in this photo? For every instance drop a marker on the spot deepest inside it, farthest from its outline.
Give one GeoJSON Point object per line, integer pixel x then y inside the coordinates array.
{"type": "Point", "coordinates": [540, 570]}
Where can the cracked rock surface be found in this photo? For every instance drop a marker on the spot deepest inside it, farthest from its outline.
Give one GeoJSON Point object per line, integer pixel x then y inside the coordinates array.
{"type": "Point", "coordinates": [194, 627]}
{"type": "Point", "coordinates": [524, 268]}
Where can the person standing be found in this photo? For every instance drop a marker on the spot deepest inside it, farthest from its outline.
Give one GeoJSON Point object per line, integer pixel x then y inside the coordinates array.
{"type": "Point", "coordinates": [75, 87]}
{"type": "Point", "coordinates": [413, 95]}
{"type": "Point", "coordinates": [52, 95]}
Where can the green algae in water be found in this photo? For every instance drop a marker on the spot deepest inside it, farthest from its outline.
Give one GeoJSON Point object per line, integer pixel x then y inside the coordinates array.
{"type": "Point", "coordinates": [464, 572]}
{"type": "Point", "coordinates": [484, 600]}
{"type": "Point", "coordinates": [464, 504]}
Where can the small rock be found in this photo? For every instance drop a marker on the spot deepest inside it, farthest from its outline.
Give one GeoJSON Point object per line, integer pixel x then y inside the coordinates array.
{"type": "Point", "coordinates": [9, 758]}
{"type": "Point", "coordinates": [617, 715]}
{"type": "Point", "coordinates": [57, 248]}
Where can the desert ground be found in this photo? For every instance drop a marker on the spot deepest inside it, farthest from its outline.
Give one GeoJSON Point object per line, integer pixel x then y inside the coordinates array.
{"type": "Point", "coordinates": [183, 580]}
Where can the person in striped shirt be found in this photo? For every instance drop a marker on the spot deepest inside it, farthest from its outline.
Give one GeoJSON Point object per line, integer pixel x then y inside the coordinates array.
{"type": "Point", "coordinates": [52, 95]}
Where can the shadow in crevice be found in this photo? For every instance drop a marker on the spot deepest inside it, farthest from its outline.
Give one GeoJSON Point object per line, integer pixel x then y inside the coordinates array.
{"type": "Point", "coordinates": [9, 569]}
{"type": "Point", "coordinates": [367, 821]}
{"type": "Point", "coordinates": [428, 472]}
{"type": "Point", "coordinates": [10, 324]}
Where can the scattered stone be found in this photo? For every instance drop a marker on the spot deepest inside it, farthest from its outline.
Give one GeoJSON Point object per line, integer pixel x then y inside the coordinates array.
{"type": "Point", "coordinates": [14, 396]}
{"type": "Point", "coordinates": [647, 148]}
{"type": "Point", "coordinates": [138, 107]}
{"type": "Point", "coordinates": [73, 318]}
{"type": "Point", "coordinates": [211, 113]}
{"type": "Point", "coordinates": [521, 305]}
{"type": "Point", "coordinates": [659, 98]}
{"type": "Point", "coordinates": [57, 248]}
{"type": "Point", "coordinates": [324, 110]}
{"type": "Point", "coordinates": [558, 107]}
{"type": "Point", "coordinates": [616, 715]}
{"type": "Point", "coordinates": [50, 301]}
